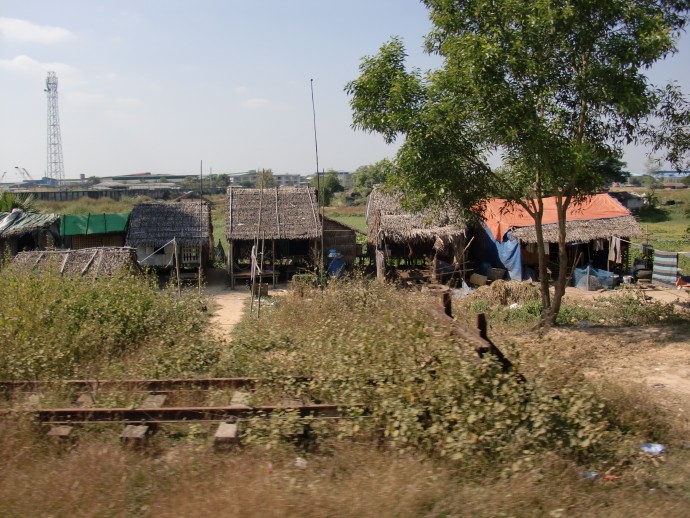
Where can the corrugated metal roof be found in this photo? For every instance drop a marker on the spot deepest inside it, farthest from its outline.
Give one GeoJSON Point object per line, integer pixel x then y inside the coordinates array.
{"type": "Point", "coordinates": [27, 222]}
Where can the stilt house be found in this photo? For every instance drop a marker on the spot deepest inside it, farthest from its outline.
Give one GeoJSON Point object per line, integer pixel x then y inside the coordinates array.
{"type": "Point", "coordinates": [283, 222]}
{"type": "Point", "coordinates": [161, 230]}
{"type": "Point", "coordinates": [404, 237]}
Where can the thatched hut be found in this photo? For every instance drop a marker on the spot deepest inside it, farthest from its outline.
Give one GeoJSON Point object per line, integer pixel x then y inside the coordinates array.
{"type": "Point", "coordinates": [159, 231]}
{"type": "Point", "coordinates": [403, 235]}
{"type": "Point", "coordinates": [27, 231]}
{"type": "Point", "coordinates": [92, 262]}
{"type": "Point", "coordinates": [285, 222]}
{"type": "Point", "coordinates": [597, 230]}
{"type": "Point", "coordinates": [93, 230]}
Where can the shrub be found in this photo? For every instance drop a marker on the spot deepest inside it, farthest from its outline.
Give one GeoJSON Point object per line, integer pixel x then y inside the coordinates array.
{"type": "Point", "coordinates": [366, 343]}
{"type": "Point", "coordinates": [53, 326]}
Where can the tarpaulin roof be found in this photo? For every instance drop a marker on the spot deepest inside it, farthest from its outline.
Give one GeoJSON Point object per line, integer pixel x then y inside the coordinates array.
{"type": "Point", "coordinates": [83, 224]}
{"type": "Point", "coordinates": [17, 222]}
{"type": "Point", "coordinates": [500, 217]}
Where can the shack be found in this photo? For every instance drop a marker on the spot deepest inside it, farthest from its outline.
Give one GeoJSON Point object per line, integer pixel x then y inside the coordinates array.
{"type": "Point", "coordinates": [20, 231]}
{"type": "Point", "coordinates": [161, 231]}
{"type": "Point", "coordinates": [283, 222]}
{"type": "Point", "coordinates": [91, 262]}
{"type": "Point", "coordinates": [93, 230]}
{"type": "Point", "coordinates": [597, 229]}
{"type": "Point", "coordinates": [403, 238]}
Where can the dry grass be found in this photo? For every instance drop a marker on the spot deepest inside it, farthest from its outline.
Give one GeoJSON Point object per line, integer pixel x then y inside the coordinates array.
{"type": "Point", "coordinates": [99, 478]}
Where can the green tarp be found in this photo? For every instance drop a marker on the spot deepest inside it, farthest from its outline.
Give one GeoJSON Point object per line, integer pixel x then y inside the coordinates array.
{"type": "Point", "coordinates": [84, 224]}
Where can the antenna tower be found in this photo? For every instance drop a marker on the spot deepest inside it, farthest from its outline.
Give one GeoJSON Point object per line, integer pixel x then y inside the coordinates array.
{"type": "Point", "coordinates": [56, 168]}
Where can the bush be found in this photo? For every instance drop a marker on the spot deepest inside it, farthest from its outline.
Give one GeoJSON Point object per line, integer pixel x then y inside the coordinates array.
{"type": "Point", "coordinates": [366, 343]}
{"type": "Point", "coordinates": [53, 326]}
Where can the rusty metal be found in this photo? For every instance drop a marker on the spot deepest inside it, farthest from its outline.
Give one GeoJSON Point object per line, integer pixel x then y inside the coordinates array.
{"type": "Point", "coordinates": [62, 416]}
{"type": "Point", "coordinates": [157, 385]}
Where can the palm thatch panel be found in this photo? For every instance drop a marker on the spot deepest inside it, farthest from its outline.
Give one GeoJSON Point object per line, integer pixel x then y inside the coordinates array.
{"type": "Point", "coordinates": [93, 262]}
{"type": "Point", "coordinates": [157, 223]}
{"type": "Point", "coordinates": [341, 238]}
{"type": "Point", "coordinates": [585, 230]}
{"type": "Point", "coordinates": [386, 215]}
{"type": "Point", "coordinates": [275, 213]}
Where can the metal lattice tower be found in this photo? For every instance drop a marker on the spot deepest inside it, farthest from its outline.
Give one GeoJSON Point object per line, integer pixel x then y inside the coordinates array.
{"type": "Point", "coordinates": [56, 168]}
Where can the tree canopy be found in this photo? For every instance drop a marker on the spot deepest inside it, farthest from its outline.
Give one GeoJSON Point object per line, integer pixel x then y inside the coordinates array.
{"type": "Point", "coordinates": [533, 99]}
{"type": "Point", "coordinates": [366, 176]}
{"type": "Point", "coordinates": [328, 185]}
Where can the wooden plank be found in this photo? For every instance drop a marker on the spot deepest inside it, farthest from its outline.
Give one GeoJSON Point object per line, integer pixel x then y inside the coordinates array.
{"type": "Point", "coordinates": [227, 433]}
{"type": "Point", "coordinates": [134, 433]}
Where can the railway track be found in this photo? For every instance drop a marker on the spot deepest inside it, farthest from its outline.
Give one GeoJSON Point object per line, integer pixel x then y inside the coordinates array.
{"type": "Point", "coordinates": [142, 418]}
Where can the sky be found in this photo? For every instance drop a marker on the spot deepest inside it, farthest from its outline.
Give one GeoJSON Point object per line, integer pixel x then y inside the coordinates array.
{"type": "Point", "coordinates": [161, 86]}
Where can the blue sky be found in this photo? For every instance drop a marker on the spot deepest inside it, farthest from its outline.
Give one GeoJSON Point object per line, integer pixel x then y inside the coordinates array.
{"type": "Point", "coordinates": [160, 85]}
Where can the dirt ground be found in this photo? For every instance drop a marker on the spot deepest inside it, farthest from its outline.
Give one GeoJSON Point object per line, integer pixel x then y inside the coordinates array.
{"type": "Point", "coordinates": [230, 304]}
{"type": "Point", "coordinates": [654, 358]}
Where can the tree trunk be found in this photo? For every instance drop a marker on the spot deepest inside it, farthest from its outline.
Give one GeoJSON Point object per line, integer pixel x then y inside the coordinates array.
{"type": "Point", "coordinates": [543, 272]}
{"type": "Point", "coordinates": [559, 290]}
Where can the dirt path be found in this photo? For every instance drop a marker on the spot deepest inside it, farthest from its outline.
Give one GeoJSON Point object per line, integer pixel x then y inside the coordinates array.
{"type": "Point", "coordinates": [229, 305]}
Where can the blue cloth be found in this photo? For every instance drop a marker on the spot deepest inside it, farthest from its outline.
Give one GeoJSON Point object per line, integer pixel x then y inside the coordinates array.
{"type": "Point", "coordinates": [505, 254]}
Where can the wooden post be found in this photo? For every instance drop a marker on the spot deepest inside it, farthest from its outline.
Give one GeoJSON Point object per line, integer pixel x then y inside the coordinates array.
{"type": "Point", "coordinates": [177, 267]}
{"type": "Point", "coordinates": [231, 265]}
{"type": "Point", "coordinates": [380, 265]}
{"type": "Point", "coordinates": [273, 255]}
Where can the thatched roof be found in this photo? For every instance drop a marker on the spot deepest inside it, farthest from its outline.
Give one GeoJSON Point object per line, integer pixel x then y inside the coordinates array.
{"type": "Point", "coordinates": [94, 262]}
{"type": "Point", "coordinates": [157, 223]}
{"type": "Point", "coordinates": [17, 223]}
{"type": "Point", "coordinates": [385, 214]}
{"type": "Point", "coordinates": [275, 213]}
{"type": "Point", "coordinates": [588, 230]}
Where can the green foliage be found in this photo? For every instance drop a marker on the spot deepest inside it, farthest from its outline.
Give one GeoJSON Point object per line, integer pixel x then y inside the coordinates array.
{"type": "Point", "coordinates": [366, 343]}
{"type": "Point", "coordinates": [328, 185]}
{"type": "Point", "coordinates": [56, 327]}
{"type": "Point", "coordinates": [555, 89]}
{"type": "Point", "coordinates": [17, 200]}
{"type": "Point", "coordinates": [366, 176]}
{"type": "Point", "coordinates": [264, 179]}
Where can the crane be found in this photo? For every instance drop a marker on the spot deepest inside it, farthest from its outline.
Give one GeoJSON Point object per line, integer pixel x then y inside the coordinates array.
{"type": "Point", "coordinates": [24, 174]}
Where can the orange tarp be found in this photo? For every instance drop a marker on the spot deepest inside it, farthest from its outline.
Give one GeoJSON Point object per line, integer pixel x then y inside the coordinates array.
{"type": "Point", "coordinates": [500, 218]}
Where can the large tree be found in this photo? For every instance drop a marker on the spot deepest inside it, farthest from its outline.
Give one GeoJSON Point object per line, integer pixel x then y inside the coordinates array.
{"type": "Point", "coordinates": [366, 176]}
{"type": "Point", "coordinates": [533, 100]}
{"type": "Point", "coordinates": [327, 184]}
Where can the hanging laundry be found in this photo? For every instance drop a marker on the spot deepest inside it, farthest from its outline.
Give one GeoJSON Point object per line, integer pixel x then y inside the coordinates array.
{"type": "Point", "coordinates": [615, 255]}
{"type": "Point", "coordinates": [665, 268]}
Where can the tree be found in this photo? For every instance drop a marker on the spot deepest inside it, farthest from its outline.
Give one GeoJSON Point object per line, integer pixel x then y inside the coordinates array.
{"type": "Point", "coordinates": [366, 176]}
{"type": "Point", "coordinates": [327, 185]}
{"type": "Point", "coordinates": [264, 179]}
{"type": "Point", "coordinates": [551, 88]}
{"type": "Point", "coordinates": [16, 200]}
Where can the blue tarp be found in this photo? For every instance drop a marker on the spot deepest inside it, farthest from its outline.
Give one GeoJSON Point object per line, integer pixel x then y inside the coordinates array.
{"type": "Point", "coordinates": [505, 254]}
